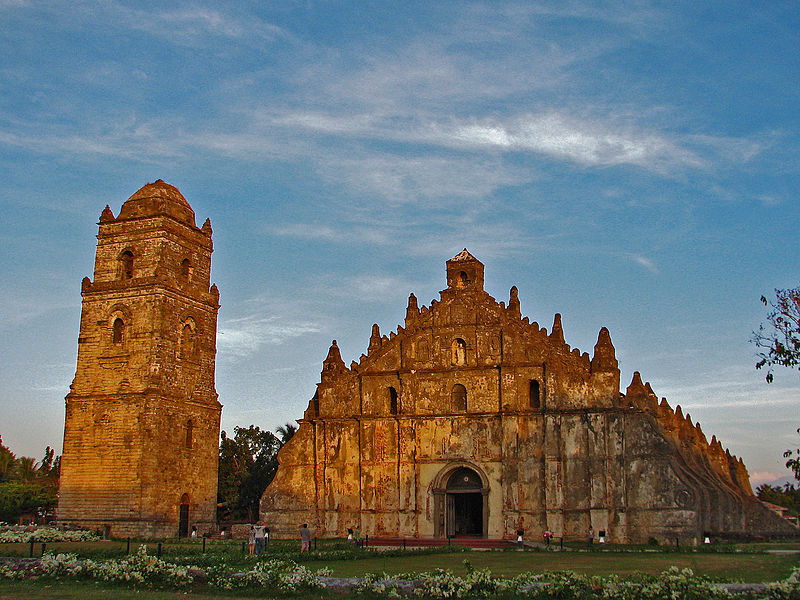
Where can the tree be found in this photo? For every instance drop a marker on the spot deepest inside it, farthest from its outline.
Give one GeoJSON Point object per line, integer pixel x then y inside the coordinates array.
{"type": "Point", "coordinates": [18, 498]}
{"type": "Point", "coordinates": [285, 432]}
{"type": "Point", "coordinates": [788, 496]}
{"type": "Point", "coordinates": [27, 468]}
{"type": "Point", "coordinates": [780, 346]}
{"type": "Point", "coordinates": [794, 460]}
{"type": "Point", "coordinates": [779, 341]}
{"type": "Point", "coordinates": [247, 465]}
{"type": "Point", "coordinates": [8, 461]}
{"type": "Point", "coordinates": [27, 486]}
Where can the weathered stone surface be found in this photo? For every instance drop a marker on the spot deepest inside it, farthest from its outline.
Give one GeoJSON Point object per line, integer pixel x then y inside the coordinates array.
{"type": "Point", "coordinates": [142, 415]}
{"type": "Point", "coordinates": [469, 419]}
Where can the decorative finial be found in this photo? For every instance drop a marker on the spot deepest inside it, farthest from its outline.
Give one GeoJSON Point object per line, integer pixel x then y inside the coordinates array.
{"type": "Point", "coordinates": [557, 333]}
{"type": "Point", "coordinates": [106, 215]}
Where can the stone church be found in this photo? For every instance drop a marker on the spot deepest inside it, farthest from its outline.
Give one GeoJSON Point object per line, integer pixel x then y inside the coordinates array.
{"type": "Point", "coordinates": [467, 421]}
{"type": "Point", "coordinates": [470, 420]}
{"type": "Point", "coordinates": [141, 436]}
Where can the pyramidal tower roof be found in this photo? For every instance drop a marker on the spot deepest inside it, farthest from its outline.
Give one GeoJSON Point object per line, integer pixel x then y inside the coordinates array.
{"type": "Point", "coordinates": [464, 255]}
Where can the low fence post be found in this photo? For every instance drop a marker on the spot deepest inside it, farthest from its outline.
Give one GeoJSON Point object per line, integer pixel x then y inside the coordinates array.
{"type": "Point", "coordinates": [243, 545]}
{"type": "Point", "coordinates": [128, 547]}
{"type": "Point", "coordinates": [159, 549]}
{"type": "Point", "coordinates": [33, 541]}
{"type": "Point", "coordinates": [561, 542]}
{"type": "Point", "coordinates": [44, 545]}
{"type": "Point", "coordinates": [204, 543]}
{"type": "Point", "coordinates": [404, 543]}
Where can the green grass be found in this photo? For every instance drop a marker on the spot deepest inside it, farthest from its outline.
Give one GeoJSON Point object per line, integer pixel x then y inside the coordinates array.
{"type": "Point", "coordinates": [85, 590]}
{"type": "Point", "coordinates": [751, 567]}
{"type": "Point", "coordinates": [747, 567]}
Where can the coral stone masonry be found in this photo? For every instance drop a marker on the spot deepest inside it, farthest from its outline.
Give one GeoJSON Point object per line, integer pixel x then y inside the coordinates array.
{"type": "Point", "coordinates": [142, 417]}
{"type": "Point", "coordinates": [470, 420]}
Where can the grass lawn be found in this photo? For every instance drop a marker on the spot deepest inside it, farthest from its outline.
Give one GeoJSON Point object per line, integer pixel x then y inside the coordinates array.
{"type": "Point", "coordinates": [83, 590]}
{"type": "Point", "coordinates": [750, 568]}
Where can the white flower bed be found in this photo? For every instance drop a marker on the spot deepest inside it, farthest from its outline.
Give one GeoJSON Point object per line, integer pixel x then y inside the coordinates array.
{"type": "Point", "coordinates": [47, 534]}
{"type": "Point", "coordinates": [287, 577]}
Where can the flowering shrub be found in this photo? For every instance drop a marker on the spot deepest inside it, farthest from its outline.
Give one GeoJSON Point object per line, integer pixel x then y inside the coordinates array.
{"type": "Point", "coordinates": [283, 575]}
{"type": "Point", "coordinates": [288, 577]}
{"type": "Point", "coordinates": [788, 589]}
{"type": "Point", "coordinates": [47, 534]}
{"type": "Point", "coordinates": [141, 568]}
{"type": "Point", "coordinates": [672, 583]}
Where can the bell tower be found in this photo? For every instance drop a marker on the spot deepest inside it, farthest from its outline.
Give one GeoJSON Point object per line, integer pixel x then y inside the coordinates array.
{"type": "Point", "coordinates": [465, 272]}
{"type": "Point", "coordinates": [141, 434]}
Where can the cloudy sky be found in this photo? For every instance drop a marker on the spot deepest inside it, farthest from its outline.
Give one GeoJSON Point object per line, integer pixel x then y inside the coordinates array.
{"type": "Point", "coordinates": [633, 166]}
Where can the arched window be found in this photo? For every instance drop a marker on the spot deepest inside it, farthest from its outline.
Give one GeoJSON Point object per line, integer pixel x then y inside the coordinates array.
{"type": "Point", "coordinates": [463, 279]}
{"type": "Point", "coordinates": [118, 331]}
{"type": "Point", "coordinates": [187, 342]}
{"type": "Point", "coordinates": [459, 352]}
{"type": "Point", "coordinates": [535, 399]}
{"type": "Point", "coordinates": [458, 398]}
{"type": "Point", "coordinates": [189, 432]}
{"type": "Point", "coordinates": [394, 405]}
{"type": "Point", "coordinates": [126, 265]}
{"type": "Point", "coordinates": [186, 270]}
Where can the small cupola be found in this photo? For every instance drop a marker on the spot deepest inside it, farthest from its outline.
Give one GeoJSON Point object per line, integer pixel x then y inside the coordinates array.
{"type": "Point", "coordinates": [464, 272]}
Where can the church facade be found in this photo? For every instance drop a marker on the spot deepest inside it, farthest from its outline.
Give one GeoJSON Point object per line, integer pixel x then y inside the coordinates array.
{"type": "Point", "coordinates": [141, 435]}
{"type": "Point", "coordinates": [470, 420]}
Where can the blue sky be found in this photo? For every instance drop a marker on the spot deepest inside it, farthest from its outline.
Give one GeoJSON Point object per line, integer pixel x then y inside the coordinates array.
{"type": "Point", "coordinates": [632, 166]}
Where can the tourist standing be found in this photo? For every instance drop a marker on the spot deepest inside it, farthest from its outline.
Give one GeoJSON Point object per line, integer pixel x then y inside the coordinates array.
{"type": "Point", "coordinates": [305, 538]}
{"type": "Point", "coordinates": [259, 538]}
{"type": "Point", "coordinates": [251, 539]}
{"type": "Point", "coordinates": [357, 537]}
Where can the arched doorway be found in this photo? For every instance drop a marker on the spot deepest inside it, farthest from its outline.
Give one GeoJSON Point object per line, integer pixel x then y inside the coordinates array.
{"type": "Point", "coordinates": [464, 503]}
{"type": "Point", "coordinates": [460, 494]}
{"type": "Point", "coordinates": [183, 522]}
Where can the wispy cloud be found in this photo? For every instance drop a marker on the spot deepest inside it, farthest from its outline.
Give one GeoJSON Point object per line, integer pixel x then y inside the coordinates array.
{"type": "Point", "coordinates": [645, 262]}
{"type": "Point", "coordinates": [246, 335]}
{"type": "Point", "coordinates": [194, 24]}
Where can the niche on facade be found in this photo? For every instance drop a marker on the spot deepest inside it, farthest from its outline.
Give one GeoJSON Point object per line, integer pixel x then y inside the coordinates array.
{"type": "Point", "coordinates": [459, 352]}
{"type": "Point", "coordinates": [458, 398]}
{"type": "Point", "coordinates": [187, 346]}
{"type": "Point", "coordinates": [394, 402]}
{"type": "Point", "coordinates": [189, 434]}
{"type": "Point", "coordinates": [534, 395]}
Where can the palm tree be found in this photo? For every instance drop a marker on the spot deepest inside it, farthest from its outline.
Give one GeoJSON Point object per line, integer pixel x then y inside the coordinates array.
{"type": "Point", "coordinates": [7, 461]}
{"type": "Point", "coordinates": [285, 432]}
{"type": "Point", "coordinates": [27, 468]}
